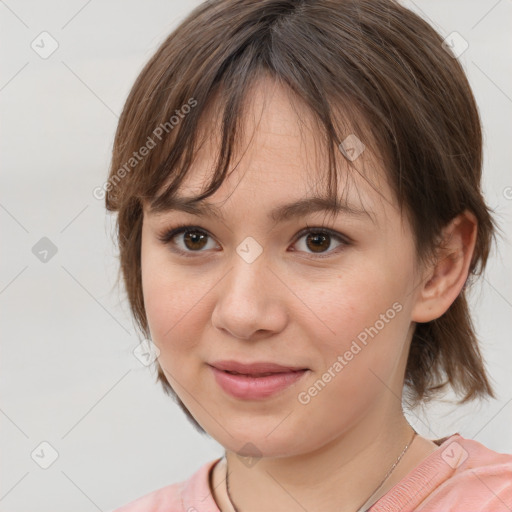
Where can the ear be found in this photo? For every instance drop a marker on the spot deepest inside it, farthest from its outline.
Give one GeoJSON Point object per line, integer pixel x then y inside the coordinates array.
{"type": "Point", "coordinates": [442, 283]}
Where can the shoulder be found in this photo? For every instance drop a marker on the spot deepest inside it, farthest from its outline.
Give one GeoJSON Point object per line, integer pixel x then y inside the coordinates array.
{"type": "Point", "coordinates": [462, 475]}
{"type": "Point", "coordinates": [167, 498]}
{"type": "Point", "coordinates": [479, 478]}
{"type": "Point", "coordinates": [190, 495]}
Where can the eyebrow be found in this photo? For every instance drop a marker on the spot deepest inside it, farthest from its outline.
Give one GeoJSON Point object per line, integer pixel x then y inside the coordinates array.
{"type": "Point", "coordinates": [299, 208]}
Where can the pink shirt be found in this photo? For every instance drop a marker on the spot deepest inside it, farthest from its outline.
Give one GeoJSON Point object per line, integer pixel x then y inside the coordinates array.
{"type": "Point", "coordinates": [461, 475]}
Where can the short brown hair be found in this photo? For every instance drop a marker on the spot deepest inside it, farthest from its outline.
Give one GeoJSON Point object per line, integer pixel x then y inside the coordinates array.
{"type": "Point", "coordinates": [378, 62]}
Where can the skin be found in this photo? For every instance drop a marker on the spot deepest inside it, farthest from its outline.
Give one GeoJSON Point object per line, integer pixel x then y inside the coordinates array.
{"type": "Point", "coordinates": [291, 307]}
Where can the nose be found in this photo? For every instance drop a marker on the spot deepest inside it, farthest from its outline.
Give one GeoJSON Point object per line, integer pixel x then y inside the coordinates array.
{"type": "Point", "coordinates": [250, 301]}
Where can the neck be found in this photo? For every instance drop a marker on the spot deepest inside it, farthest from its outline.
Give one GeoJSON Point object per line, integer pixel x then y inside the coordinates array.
{"type": "Point", "coordinates": [340, 476]}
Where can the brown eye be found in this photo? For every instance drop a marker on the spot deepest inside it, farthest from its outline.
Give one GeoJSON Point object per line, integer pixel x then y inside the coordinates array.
{"type": "Point", "coordinates": [195, 240]}
{"type": "Point", "coordinates": [187, 240]}
{"type": "Point", "coordinates": [318, 242]}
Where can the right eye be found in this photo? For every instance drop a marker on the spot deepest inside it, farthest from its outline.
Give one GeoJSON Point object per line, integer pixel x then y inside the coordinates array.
{"type": "Point", "coordinates": [195, 239]}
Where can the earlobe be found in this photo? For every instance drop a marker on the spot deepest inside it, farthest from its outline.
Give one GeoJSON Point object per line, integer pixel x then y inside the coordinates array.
{"type": "Point", "coordinates": [442, 283]}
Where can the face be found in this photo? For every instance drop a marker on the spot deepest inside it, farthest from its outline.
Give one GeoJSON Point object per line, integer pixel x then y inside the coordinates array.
{"type": "Point", "coordinates": [332, 294]}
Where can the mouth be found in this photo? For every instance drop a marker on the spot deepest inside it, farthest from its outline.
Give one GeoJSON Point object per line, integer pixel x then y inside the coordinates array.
{"type": "Point", "coordinates": [267, 374]}
{"type": "Point", "coordinates": [255, 369]}
{"type": "Point", "coordinates": [256, 386]}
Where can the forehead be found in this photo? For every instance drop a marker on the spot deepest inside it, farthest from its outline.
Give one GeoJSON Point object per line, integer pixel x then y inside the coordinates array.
{"type": "Point", "coordinates": [279, 154]}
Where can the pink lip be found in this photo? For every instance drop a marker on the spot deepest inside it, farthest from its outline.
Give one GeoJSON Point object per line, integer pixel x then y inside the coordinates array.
{"type": "Point", "coordinates": [250, 387]}
{"type": "Point", "coordinates": [254, 368]}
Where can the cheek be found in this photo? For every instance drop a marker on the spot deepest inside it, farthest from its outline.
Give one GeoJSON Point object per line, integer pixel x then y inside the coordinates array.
{"type": "Point", "coordinates": [360, 313]}
{"type": "Point", "coordinates": [357, 339]}
{"type": "Point", "coordinates": [171, 300]}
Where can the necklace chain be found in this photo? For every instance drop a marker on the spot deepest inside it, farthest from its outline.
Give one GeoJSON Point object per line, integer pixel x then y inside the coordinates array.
{"type": "Point", "coordinates": [366, 501]}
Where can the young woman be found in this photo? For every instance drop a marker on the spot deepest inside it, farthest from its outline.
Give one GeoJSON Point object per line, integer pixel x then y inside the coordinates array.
{"type": "Point", "coordinates": [299, 211]}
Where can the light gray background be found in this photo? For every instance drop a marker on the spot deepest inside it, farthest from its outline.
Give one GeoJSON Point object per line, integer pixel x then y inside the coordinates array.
{"type": "Point", "coordinates": [68, 375]}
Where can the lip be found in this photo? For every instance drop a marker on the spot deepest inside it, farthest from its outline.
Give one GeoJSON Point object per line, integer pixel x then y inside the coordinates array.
{"type": "Point", "coordinates": [254, 368]}
{"type": "Point", "coordinates": [252, 387]}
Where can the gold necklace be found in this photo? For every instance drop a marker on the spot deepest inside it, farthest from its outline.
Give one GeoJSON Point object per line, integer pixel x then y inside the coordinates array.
{"type": "Point", "coordinates": [366, 501]}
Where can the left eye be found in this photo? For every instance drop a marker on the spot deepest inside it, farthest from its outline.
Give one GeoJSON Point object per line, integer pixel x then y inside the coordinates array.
{"type": "Point", "coordinates": [318, 240]}
{"type": "Point", "coordinates": [195, 239]}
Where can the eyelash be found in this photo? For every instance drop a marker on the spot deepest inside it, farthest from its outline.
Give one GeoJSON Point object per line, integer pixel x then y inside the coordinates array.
{"type": "Point", "coordinates": [170, 233]}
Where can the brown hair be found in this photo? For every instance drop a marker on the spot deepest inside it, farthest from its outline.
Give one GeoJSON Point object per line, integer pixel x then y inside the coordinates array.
{"type": "Point", "coordinates": [385, 68]}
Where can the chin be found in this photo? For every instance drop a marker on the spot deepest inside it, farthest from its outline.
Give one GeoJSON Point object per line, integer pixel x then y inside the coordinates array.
{"type": "Point", "coordinates": [256, 440]}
